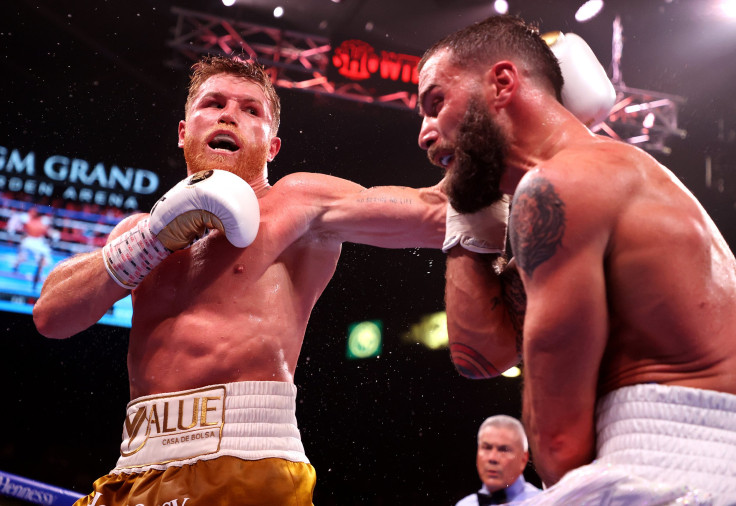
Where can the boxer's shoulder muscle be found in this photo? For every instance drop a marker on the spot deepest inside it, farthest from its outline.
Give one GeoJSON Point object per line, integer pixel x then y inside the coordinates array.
{"type": "Point", "coordinates": [314, 188]}
{"type": "Point", "coordinates": [300, 199]}
{"type": "Point", "coordinates": [567, 191]}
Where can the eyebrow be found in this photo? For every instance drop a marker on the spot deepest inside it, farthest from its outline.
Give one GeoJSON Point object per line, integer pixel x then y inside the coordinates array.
{"type": "Point", "coordinates": [247, 99]}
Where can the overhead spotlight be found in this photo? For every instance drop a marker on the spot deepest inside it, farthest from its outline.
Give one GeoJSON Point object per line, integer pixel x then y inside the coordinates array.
{"type": "Point", "coordinates": [501, 6]}
{"type": "Point", "coordinates": [228, 3]}
{"type": "Point", "coordinates": [278, 12]}
{"type": "Point", "coordinates": [588, 10]}
{"type": "Point", "coordinates": [728, 7]}
{"type": "Point", "coordinates": [648, 120]}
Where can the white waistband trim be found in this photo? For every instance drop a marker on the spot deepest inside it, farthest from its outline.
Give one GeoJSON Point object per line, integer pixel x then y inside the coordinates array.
{"type": "Point", "coordinates": [250, 420]}
{"type": "Point", "coordinates": [671, 434]}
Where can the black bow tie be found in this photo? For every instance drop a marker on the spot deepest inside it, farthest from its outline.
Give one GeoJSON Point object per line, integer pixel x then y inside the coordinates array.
{"type": "Point", "coordinates": [497, 497]}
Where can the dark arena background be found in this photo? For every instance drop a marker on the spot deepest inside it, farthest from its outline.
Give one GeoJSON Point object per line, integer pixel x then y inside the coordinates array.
{"type": "Point", "coordinates": [91, 95]}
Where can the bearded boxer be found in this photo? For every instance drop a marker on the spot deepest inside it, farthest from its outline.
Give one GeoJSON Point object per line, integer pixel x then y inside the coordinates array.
{"type": "Point", "coordinates": [224, 273]}
{"type": "Point", "coordinates": [621, 288]}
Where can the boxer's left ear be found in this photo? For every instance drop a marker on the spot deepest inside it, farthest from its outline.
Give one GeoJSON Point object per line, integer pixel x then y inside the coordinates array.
{"type": "Point", "coordinates": [502, 80]}
{"type": "Point", "coordinates": [273, 148]}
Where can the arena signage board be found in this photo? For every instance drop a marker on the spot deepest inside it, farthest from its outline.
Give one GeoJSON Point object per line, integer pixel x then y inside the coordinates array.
{"type": "Point", "coordinates": [357, 60]}
{"type": "Point", "coordinates": [74, 179]}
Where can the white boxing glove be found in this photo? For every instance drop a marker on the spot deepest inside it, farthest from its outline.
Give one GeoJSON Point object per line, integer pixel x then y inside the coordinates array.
{"type": "Point", "coordinates": [205, 200]}
{"type": "Point", "coordinates": [483, 231]}
{"type": "Point", "coordinates": [587, 92]}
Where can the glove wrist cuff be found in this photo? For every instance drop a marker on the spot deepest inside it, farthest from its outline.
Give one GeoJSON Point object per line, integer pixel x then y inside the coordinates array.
{"type": "Point", "coordinates": [130, 257]}
{"type": "Point", "coordinates": [483, 231]}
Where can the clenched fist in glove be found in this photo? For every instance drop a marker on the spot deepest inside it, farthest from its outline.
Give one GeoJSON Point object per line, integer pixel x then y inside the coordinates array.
{"type": "Point", "coordinates": [205, 200]}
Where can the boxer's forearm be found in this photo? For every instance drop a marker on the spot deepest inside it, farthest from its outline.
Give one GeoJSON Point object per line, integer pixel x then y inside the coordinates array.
{"type": "Point", "coordinates": [386, 216]}
{"type": "Point", "coordinates": [76, 294]}
{"type": "Point", "coordinates": [484, 340]}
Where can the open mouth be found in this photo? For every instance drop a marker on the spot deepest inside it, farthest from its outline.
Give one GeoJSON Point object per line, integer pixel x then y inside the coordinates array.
{"type": "Point", "coordinates": [446, 160]}
{"type": "Point", "coordinates": [441, 156]}
{"type": "Point", "coordinates": [223, 142]}
{"type": "Point", "coordinates": [443, 160]}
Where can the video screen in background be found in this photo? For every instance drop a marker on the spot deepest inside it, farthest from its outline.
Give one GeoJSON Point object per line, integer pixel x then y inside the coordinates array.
{"type": "Point", "coordinates": [55, 206]}
{"type": "Point", "coordinates": [35, 237]}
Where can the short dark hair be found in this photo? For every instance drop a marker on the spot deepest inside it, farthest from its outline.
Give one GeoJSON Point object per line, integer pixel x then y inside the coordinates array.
{"type": "Point", "coordinates": [210, 66]}
{"type": "Point", "coordinates": [501, 37]}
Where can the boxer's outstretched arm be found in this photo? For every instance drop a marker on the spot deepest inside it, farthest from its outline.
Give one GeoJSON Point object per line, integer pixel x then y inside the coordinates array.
{"type": "Point", "coordinates": [485, 313]}
{"type": "Point", "coordinates": [78, 292]}
{"type": "Point", "coordinates": [383, 216]}
{"type": "Point", "coordinates": [559, 237]}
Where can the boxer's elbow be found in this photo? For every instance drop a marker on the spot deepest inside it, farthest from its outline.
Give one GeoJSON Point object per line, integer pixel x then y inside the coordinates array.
{"type": "Point", "coordinates": [481, 353]}
{"type": "Point", "coordinates": [472, 363]}
{"type": "Point", "coordinates": [559, 455]}
{"type": "Point", "coordinates": [554, 469]}
{"type": "Point", "coordinates": [46, 324]}
{"type": "Point", "coordinates": [472, 370]}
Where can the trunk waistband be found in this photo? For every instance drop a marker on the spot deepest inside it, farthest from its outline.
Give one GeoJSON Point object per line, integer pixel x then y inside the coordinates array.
{"type": "Point", "coordinates": [250, 420]}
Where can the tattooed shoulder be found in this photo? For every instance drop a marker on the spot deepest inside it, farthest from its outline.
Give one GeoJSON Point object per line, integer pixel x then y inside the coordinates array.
{"type": "Point", "coordinates": [537, 223]}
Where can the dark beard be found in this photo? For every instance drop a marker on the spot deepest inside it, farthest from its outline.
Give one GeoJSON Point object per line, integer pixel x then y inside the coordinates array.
{"type": "Point", "coordinates": [480, 156]}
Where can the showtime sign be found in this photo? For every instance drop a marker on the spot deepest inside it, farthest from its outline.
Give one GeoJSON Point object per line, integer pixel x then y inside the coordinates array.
{"type": "Point", "coordinates": [358, 61]}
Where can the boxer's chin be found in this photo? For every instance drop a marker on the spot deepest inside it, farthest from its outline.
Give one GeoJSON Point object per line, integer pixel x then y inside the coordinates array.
{"type": "Point", "coordinates": [470, 188]}
{"type": "Point", "coordinates": [248, 165]}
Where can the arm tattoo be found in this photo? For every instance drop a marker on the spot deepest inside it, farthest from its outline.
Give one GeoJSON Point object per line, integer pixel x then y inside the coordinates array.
{"type": "Point", "coordinates": [514, 297]}
{"type": "Point", "coordinates": [537, 224]}
{"type": "Point", "coordinates": [384, 200]}
{"type": "Point", "coordinates": [470, 363]}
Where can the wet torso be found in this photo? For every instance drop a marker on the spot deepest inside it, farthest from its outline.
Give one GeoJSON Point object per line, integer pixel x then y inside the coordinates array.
{"type": "Point", "coordinates": [670, 278]}
{"type": "Point", "coordinates": [214, 313]}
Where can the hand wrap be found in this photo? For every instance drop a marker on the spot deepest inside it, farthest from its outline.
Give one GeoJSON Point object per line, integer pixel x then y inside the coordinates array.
{"type": "Point", "coordinates": [130, 257]}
